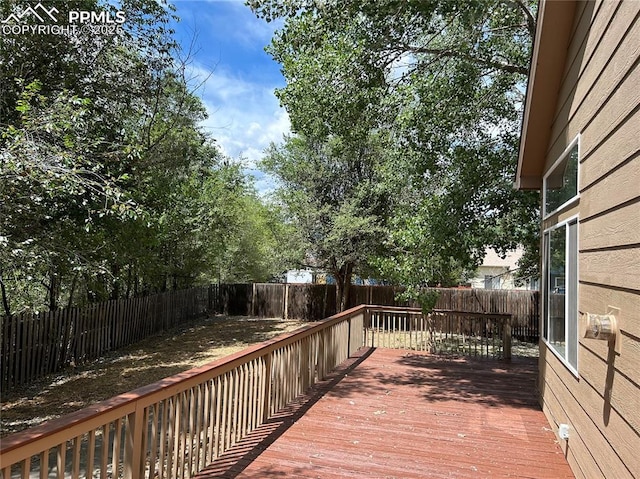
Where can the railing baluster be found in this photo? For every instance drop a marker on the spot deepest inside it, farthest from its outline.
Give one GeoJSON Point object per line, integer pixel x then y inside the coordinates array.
{"type": "Point", "coordinates": [218, 417]}
{"type": "Point", "coordinates": [232, 419]}
{"type": "Point", "coordinates": [207, 437]}
{"type": "Point", "coordinates": [163, 454]}
{"type": "Point", "coordinates": [75, 460]}
{"type": "Point", "coordinates": [105, 451]}
{"type": "Point", "coordinates": [173, 422]}
{"type": "Point", "coordinates": [91, 452]}
{"type": "Point", "coordinates": [192, 434]}
{"type": "Point", "coordinates": [26, 469]}
{"type": "Point", "coordinates": [198, 444]}
{"type": "Point", "coordinates": [44, 465]}
{"type": "Point", "coordinates": [245, 401]}
{"type": "Point", "coordinates": [61, 458]}
{"type": "Point", "coordinates": [224, 430]}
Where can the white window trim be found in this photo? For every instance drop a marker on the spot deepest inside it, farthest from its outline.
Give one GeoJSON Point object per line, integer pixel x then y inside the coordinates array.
{"type": "Point", "coordinates": [550, 347]}
{"type": "Point", "coordinates": [560, 159]}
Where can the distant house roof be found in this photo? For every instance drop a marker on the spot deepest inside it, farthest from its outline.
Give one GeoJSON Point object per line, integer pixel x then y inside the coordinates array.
{"type": "Point", "coordinates": [492, 259]}
{"type": "Point", "coordinates": [553, 32]}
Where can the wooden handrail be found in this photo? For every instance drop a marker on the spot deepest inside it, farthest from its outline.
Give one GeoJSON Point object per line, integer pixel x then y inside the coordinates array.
{"type": "Point", "coordinates": [401, 309]}
{"type": "Point", "coordinates": [128, 410]}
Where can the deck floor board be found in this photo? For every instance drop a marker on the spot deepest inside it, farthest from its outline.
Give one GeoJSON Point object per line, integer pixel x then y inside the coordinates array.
{"type": "Point", "coordinates": [399, 414]}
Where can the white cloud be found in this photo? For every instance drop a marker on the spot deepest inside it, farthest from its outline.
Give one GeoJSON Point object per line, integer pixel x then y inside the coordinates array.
{"type": "Point", "coordinates": [238, 78]}
{"type": "Point", "coordinates": [244, 117]}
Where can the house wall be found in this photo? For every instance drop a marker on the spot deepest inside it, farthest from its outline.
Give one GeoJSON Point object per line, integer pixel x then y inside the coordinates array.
{"type": "Point", "coordinates": [505, 278]}
{"type": "Point", "coordinates": [599, 99]}
{"type": "Point", "coordinates": [478, 280]}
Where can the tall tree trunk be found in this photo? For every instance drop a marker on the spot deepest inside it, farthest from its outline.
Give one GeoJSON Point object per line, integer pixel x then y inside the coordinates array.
{"type": "Point", "coordinates": [129, 275]}
{"type": "Point", "coordinates": [115, 285]}
{"type": "Point", "coordinates": [54, 290]}
{"type": "Point", "coordinates": [89, 286]}
{"type": "Point", "coordinates": [343, 285]}
{"type": "Point", "coordinates": [73, 289]}
{"type": "Point", "coordinates": [136, 284]}
{"type": "Point", "coordinates": [5, 300]}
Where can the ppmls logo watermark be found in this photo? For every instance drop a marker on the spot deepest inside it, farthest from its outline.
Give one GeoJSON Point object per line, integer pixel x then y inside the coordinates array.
{"type": "Point", "coordinates": [40, 20]}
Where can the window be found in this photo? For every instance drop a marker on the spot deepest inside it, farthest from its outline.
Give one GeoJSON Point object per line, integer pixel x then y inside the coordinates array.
{"type": "Point", "coordinates": [560, 327]}
{"type": "Point", "coordinates": [560, 184]}
{"type": "Point", "coordinates": [491, 282]}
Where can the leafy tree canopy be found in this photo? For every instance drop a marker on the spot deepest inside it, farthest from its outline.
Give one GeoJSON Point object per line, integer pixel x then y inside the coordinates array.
{"type": "Point", "coordinates": [335, 199]}
{"type": "Point", "coordinates": [443, 83]}
{"type": "Point", "coordinates": [108, 186]}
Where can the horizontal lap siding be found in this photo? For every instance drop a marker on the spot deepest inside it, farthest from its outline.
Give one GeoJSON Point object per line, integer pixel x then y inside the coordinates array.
{"type": "Point", "coordinates": [610, 442]}
{"type": "Point", "coordinates": [619, 227]}
{"type": "Point", "coordinates": [599, 99]}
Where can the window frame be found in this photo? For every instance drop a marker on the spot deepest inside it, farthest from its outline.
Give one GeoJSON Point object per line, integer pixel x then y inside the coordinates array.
{"type": "Point", "coordinates": [563, 357]}
{"type": "Point", "coordinates": [567, 151]}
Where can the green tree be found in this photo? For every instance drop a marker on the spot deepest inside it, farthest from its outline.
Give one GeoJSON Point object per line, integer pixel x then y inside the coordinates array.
{"type": "Point", "coordinates": [109, 187]}
{"type": "Point", "coordinates": [445, 82]}
{"type": "Point", "coordinates": [71, 109]}
{"type": "Point", "coordinates": [333, 196]}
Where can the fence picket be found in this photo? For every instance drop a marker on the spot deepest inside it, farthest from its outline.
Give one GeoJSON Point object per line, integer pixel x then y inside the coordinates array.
{"type": "Point", "coordinates": [37, 344]}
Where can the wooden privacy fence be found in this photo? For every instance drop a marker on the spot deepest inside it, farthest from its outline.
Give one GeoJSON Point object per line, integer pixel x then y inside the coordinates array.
{"type": "Point", "coordinates": [313, 302]}
{"type": "Point", "coordinates": [522, 305]}
{"type": "Point", "coordinates": [34, 345]}
{"type": "Point", "coordinates": [176, 427]}
{"type": "Point", "coordinates": [37, 344]}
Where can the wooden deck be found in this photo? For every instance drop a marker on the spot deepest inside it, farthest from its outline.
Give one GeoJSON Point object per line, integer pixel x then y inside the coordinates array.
{"type": "Point", "coordinates": [398, 414]}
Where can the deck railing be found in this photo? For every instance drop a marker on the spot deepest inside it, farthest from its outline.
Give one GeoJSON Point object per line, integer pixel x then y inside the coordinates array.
{"type": "Point", "coordinates": [441, 331]}
{"type": "Point", "coordinates": [177, 426]}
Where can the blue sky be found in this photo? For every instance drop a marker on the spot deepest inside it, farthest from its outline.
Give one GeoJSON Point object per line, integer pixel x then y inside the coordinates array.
{"type": "Point", "coordinates": [228, 43]}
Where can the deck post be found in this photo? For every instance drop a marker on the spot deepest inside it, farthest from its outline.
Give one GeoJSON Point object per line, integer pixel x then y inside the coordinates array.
{"type": "Point", "coordinates": [349, 337]}
{"type": "Point", "coordinates": [506, 341]}
{"type": "Point", "coordinates": [366, 323]}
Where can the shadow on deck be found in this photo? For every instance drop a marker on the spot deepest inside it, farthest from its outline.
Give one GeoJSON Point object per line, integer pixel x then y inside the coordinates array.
{"type": "Point", "coordinates": [399, 414]}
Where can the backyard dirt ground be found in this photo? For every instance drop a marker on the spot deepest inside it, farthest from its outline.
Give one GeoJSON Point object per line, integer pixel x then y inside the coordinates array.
{"type": "Point", "coordinates": [145, 362]}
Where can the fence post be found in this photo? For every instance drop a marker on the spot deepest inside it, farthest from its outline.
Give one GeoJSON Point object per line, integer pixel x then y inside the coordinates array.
{"type": "Point", "coordinates": [253, 299]}
{"type": "Point", "coordinates": [286, 301]}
